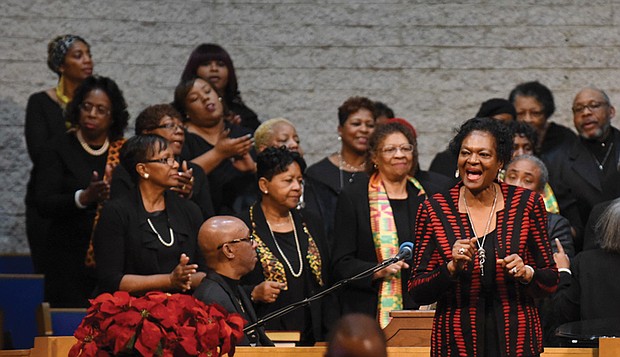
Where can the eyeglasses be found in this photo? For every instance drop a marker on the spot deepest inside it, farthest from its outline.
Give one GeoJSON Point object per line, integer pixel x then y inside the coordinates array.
{"type": "Point", "coordinates": [170, 127]}
{"type": "Point", "coordinates": [100, 110]}
{"type": "Point", "coordinates": [239, 240]}
{"type": "Point", "coordinates": [391, 150]}
{"type": "Point", "coordinates": [168, 161]}
{"type": "Point", "coordinates": [578, 109]}
{"type": "Point", "coordinates": [533, 113]}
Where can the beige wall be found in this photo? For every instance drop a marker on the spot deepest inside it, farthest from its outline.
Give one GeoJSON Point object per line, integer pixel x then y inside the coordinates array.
{"type": "Point", "coordinates": [434, 62]}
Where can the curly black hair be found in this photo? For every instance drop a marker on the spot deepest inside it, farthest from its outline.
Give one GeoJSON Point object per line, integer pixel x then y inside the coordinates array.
{"type": "Point", "coordinates": [500, 131]}
{"type": "Point", "coordinates": [522, 129]}
{"type": "Point", "coordinates": [118, 112]}
{"type": "Point", "coordinates": [273, 161]}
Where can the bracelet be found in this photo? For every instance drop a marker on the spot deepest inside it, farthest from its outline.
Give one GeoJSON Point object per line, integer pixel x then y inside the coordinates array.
{"type": "Point", "coordinates": [565, 270]}
{"type": "Point", "coordinates": [76, 198]}
{"type": "Point", "coordinates": [530, 269]}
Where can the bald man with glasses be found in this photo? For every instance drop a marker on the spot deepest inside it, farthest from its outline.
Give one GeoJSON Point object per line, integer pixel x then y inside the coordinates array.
{"type": "Point", "coordinates": [230, 253]}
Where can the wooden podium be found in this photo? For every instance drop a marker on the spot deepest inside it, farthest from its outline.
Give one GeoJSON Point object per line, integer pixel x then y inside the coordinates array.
{"type": "Point", "coordinates": [409, 328]}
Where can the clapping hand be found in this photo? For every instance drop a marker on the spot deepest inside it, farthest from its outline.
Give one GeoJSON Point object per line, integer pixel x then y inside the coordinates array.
{"type": "Point", "coordinates": [180, 277]}
{"type": "Point", "coordinates": [185, 187]}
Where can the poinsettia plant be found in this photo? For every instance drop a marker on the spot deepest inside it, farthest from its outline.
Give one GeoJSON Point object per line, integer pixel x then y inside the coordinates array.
{"type": "Point", "coordinates": [157, 324]}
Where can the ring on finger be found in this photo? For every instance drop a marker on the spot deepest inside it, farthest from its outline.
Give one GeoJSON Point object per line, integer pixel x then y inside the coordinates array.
{"type": "Point", "coordinates": [274, 296]}
{"type": "Point", "coordinates": [514, 270]}
{"type": "Point", "coordinates": [462, 251]}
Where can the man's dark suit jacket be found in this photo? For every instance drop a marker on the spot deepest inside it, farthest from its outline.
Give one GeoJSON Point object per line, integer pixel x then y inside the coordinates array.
{"type": "Point", "coordinates": [578, 184]}
{"type": "Point", "coordinates": [215, 289]}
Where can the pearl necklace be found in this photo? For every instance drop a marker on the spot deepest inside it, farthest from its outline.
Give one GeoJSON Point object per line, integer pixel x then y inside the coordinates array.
{"type": "Point", "coordinates": [351, 168]}
{"type": "Point", "coordinates": [301, 263]}
{"type": "Point", "coordinates": [159, 236]}
{"type": "Point", "coordinates": [90, 150]}
{"type": "Point", "coordinates": [481, 252]}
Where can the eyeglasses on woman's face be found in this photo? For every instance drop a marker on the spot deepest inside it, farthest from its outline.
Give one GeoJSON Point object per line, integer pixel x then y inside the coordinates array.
{"type": "Point", "coordinates": [172, 127]}
{"type": "Point", "coordinates": [249, 239]}
{"type": "Point", "coordinates": [170, 161]}
{"type": "Point", "coordinates": [390, 150]}
{"type": "Point", "coordinates": [100, 110]}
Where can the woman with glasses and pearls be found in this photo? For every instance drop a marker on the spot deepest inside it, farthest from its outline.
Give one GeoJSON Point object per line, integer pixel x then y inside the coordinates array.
{"type": "Point", "coordinates": [68, 56]}
{"type": "Point", "coordinates": [165, 121]}
{"type": "Point", "coordinates": [147, 240]}
{"type": "Point", "coordinates": [374, 216]}
{"type": "Point", "coordinates": [72, 182]}
{"type": "Point", "coordinates": [483, 254]}
{"type": "Point", "coordinates": [293, 263]}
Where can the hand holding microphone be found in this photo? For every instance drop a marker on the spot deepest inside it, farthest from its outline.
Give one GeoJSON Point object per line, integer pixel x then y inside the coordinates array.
{"type": "Point", "coordinates": [405, 252]}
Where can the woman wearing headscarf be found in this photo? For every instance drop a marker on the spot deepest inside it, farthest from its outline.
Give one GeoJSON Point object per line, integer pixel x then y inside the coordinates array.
{"type": "Point", "coordinates": [483, 254]}
{"type": "Point", "coordinates": [212, 63]}
{"type": "Point", "coordinates": [74, 182]}
{"type": "Point", "coordinates": [69, 57]}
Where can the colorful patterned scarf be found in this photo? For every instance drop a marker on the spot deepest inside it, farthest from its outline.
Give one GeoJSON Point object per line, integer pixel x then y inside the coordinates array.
{"type": "Point", "coordinates": [385, 238]}
{"type": "Point", "coordinates": [273, 269]}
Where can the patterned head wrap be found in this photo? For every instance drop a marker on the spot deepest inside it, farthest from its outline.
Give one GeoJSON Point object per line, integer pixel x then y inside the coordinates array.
{"type": "Point", "coordinates": [57, 50]}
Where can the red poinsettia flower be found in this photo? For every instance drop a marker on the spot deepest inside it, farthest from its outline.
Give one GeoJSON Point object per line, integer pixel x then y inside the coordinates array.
{"type": "Point", "coordinates": [156, 324]}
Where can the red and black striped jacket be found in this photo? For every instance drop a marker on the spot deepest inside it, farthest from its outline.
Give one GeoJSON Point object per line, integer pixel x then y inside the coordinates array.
{"type": "Point", "coordinates": [521, 229]}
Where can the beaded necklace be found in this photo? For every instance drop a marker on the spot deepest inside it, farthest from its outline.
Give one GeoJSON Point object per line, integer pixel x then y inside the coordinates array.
{"type": "Point", "coordinates": [288, 263]}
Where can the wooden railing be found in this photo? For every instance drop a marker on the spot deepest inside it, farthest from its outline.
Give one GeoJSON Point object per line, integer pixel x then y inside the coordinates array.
{"type": "Point", "coordinates": [59, 347]}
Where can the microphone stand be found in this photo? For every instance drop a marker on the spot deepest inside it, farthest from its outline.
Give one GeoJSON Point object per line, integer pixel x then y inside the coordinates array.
{"type": "Point", "coordinates": [286, 309]}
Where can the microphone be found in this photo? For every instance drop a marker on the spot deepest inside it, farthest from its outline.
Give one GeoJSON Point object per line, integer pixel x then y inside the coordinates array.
{"type": "Point", "coordinates": [404, 252]}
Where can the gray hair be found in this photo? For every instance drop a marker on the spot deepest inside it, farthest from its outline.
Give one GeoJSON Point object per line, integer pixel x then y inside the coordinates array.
{"type": "Point", "coordinates": [608, 227]}
{"type": "Point", "coordinates": [596, 89]}
{"type": "Point", "coordinates": [544, 173]}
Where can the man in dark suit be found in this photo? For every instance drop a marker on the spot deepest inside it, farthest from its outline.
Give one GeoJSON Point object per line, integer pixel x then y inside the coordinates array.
{"type": "Point", "coordinates": [230, 253]}
{"type": "Point", "coordinates": [588, 172]}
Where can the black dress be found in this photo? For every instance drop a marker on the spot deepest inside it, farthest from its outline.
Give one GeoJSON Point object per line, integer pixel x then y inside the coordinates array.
{"type": "Point", "coordinates": [309, 320]}
{"type": "Point", "coordinates": [68, 168]}
{"type": "Point", "coordinates": [44, 120]}
{"type": "Point", "coordinates": [326, 181]}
